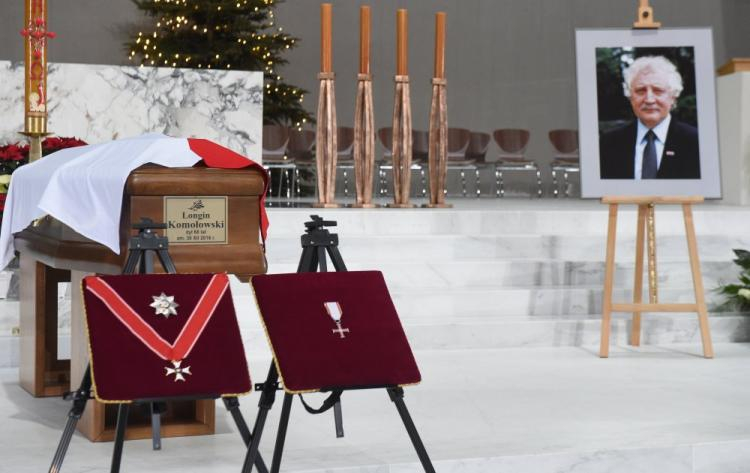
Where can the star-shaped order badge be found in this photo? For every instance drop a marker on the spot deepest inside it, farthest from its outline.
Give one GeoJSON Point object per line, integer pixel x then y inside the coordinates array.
{"type": "Point", "coordinates": [164, 305]}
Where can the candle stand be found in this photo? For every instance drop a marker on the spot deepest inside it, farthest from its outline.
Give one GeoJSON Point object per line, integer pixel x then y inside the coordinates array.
{"type": "Point", "coordinates": [438, 141]}
{"type": "Point", "coordinates": [364, 119]}
{"type": "Point", "coordinates": [326, 149]}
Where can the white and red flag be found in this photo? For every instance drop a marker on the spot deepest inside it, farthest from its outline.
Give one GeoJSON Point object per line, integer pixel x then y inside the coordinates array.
{"type": "Point", "coordinates": [83, 186]}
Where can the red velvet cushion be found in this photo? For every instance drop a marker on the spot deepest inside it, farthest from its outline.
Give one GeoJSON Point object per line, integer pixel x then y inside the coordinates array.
{"type": "Point", "coordinates": [309, 356]}
{"type": "Point", "coordinates": [123, 368]}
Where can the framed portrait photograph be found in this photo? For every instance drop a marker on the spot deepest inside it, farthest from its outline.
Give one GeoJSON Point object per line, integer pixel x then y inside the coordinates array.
{"type": "Point", "coordinates": [647, 113]}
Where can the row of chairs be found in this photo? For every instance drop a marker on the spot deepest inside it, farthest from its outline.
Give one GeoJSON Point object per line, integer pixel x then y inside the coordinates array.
{"type": "Point", "coordinates": [289, 150]}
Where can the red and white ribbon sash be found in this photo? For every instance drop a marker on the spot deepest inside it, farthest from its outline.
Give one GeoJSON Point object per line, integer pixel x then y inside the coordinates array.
{"type": "Point", "coordinates": [190, 333]}
{"type": "Point", "coordinates": [334, 310]}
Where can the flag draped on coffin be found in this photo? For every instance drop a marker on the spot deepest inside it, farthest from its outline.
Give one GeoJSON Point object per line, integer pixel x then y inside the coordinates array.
{"type": "Point", "coordinates": [83, 186]}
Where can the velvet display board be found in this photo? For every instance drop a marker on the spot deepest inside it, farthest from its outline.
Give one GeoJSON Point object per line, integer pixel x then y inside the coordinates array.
{"type": "Point", "coordinates": [132, 345]}
{"type": "Point", "coordinates": [368, 348]}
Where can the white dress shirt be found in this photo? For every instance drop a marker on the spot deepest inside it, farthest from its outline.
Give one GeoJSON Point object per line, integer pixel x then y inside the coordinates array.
{"type": "Point", "coordinates": [660, 131]}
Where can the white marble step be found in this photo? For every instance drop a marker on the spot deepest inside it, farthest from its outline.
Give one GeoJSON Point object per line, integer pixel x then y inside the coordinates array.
{"type": "Point", "coordinates": [420, 303]}
{"type": "Point", "coordinates": [486, 217]}
{"type": "Point", "coordinates": [438, 319]}
{"type": "Point", "coordinates": [514, 332]}
{"type": "Point", "coordinates": [473, 333]}
{"type": "Point", "coordinates": [419, 248]}
{"type": "Point", "coordinates": [504, 273]}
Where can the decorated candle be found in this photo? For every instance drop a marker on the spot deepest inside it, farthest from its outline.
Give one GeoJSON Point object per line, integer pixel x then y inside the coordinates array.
{"type": "Point", "coordinates": [440, 45]}
{"type": "Point", "coordinates": [364, 40]}
{"type": "Point", "coordinates": [401, 43]}
{"type": "Point", "coordinates": [326, 20]}
{"type": "Point", "coordinates": [35, 42]}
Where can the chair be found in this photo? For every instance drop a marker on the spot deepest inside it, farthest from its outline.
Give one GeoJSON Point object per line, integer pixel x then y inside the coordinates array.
{"type": "Point", "coordinates": [477, 151]}
{"type": "Point", "coordinates": [300, 149]}
{"type": "Point", "coordinates": [420, 150]}
{"type": "Point", "coordinates": [345, 153]}
{"type": "Point", "coordinates": [512, 143]}
{"type": "Point", "coordinates": [275, 141]}
{"type": "Point", "coordinates": [458, 143]}
{"type": "Point", "coordinates": [566, 158]}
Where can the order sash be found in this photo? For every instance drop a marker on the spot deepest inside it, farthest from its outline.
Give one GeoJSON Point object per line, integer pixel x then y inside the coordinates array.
{"type": "Point", "coordinates": [190, 333]}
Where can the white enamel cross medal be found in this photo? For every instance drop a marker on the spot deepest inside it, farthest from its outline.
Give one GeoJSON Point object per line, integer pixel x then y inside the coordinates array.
{"type": "Point", "coordinates": [335, 312]}
{"type": "Point", "coordinates": [164, 305]}
{"type": "Point", "coordinates": [178, 372]}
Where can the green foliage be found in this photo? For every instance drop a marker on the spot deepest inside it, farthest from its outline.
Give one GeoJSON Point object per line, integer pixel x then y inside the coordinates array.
{"type": "Point", "coordinates": [737, 296]}
{"type": "Point", "coordinates": [222, 34]}
{"type": "Point", "coordinates": [686, 109]}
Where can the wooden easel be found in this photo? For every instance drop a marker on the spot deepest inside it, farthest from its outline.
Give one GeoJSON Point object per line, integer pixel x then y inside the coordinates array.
{"type": "Point", "coordinates": [645, 17]}
{"type": "Point", "coordinates": [646, 228]}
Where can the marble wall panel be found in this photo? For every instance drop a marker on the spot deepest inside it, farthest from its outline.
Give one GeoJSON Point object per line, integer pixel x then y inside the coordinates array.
{"type": "Point", "coordinates": [101, 103]}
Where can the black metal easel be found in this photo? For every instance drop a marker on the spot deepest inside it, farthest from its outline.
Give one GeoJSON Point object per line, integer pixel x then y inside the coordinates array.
{"type": "Point", "coordinates": [141, 251]}
{"type": "Point", "coordinates": [318, 243]}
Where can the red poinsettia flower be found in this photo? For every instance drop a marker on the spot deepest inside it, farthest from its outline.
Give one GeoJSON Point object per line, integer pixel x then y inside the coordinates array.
{"type": "Point", "coordinates": [14, 152]}
{"type": "Point", "coordinates": [50, 145]}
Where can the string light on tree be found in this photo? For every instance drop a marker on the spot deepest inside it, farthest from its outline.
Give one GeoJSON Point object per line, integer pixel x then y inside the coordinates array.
{"type": "Point", "coordinates": [222, 34]}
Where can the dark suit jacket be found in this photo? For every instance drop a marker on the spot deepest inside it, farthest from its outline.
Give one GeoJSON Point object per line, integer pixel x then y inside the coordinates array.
{"type": "Point", "coordinates": [679, 159]}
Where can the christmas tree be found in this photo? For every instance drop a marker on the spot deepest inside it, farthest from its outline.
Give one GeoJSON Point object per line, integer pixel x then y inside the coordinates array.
{"type": "Point", "coordinates": [222, 34]}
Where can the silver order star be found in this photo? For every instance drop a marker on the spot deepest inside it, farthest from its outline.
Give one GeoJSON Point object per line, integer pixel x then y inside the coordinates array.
{"type": "Point", "coordinates": [177, 371]}
{"type": "Point", "coordinates": [164, 305]}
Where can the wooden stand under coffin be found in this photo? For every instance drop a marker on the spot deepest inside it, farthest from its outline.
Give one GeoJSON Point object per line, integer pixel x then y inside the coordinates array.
{"type": "Point", "coordinates": [223, 203]}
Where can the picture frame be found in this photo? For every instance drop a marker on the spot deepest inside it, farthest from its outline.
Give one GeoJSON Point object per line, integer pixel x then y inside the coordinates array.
{"type": "Point", "coordinates": [647, 95]}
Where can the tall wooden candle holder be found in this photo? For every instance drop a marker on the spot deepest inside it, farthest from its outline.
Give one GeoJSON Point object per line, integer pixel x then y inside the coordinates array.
{"type": "Point", "coordinates": [438, 150]}
{"type": "Point", "coordinates": [326, 149]}
{"type": "Point", "coordinates": [364, 119]}
{"type": "Point", "coordinates": [401, 147]}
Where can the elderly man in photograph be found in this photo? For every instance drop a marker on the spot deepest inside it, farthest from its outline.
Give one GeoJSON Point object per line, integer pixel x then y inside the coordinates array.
{"type": "Point", "coordinates": [655, 145]}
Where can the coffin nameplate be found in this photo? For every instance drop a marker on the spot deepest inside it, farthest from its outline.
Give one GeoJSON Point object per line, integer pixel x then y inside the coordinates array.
{"type": "Point", "coordinates": [196, 220]}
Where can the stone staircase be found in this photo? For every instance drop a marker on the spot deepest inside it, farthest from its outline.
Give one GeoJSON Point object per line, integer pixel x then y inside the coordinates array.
{"type": "Point", "coordinates": [499, 273]}
{"type": "Point", "coordinates": [502, 277]}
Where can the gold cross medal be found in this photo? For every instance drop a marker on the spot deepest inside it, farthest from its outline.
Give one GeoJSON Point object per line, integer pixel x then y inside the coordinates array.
{"type": "Point", "coordinates": [334, 311]}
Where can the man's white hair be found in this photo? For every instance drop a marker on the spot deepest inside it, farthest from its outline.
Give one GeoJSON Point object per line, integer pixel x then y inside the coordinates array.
{"type": "Point", "coordinates": [656, 65]}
